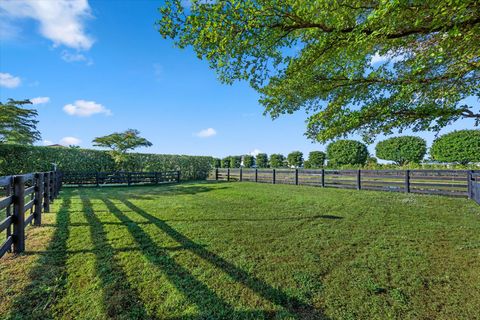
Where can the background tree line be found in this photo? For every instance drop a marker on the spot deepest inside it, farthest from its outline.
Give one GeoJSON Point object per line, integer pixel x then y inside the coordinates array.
{"type": "Point", "coordinates": [458, 147]}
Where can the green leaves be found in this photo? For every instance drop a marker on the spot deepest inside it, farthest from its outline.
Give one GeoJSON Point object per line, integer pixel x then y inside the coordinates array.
{"type": "Point", "coordinates": [402, 150]}
{"type": "Point", "coordinates": [18, 125]}
{"type": "Point", "coordinates": [356, 66]}
{"type": "Point", "coordinates": [346, 152]}
{"type": "Point", "coordinates": [461, 146]}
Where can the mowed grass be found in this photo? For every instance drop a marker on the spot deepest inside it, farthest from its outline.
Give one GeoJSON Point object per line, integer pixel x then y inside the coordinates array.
{"type": "Point", "coordinates": [247, 251]}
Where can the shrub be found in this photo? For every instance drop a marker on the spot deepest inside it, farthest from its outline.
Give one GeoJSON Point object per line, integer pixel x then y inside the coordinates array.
{"type": "Point", "coordinates": [462, 146]}
{"type": "Point", "coordinates": [235, 161]}
{"type": "Point", "coordinates": [216, 163]}
{"type": "Point", "coordinates": [295, 159]}
{"type": "Point", "coordinates": [402, 150]}
{"type": "Point", "coordinates": [316, 159]}
{"type": "Point", "coordinates": [248, 161]}
{"type": "Point", "coordinates": [226, 162]}
{"type": "Point", "coordinates": [277, 160]}
{"type": "Point", "coordinates": [15, 159]}
{"type": "Point", "coordinates": [346, 152]}
{"type": "Point", "coordinates": [262, 160]}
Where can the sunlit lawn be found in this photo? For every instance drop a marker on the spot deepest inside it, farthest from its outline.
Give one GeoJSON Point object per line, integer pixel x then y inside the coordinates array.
{"type": "Point", "coordinates": [247, 251]}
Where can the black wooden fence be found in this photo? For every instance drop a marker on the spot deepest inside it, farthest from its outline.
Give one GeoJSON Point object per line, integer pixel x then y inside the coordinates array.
{"type": "Point", "coordinates": [119, 177]}
{"type": "Point", "coordinates": [474, 186]}
{"type": "Point", "coordinates": [29, 193]}
{"type": "Point", "coordinates": [441, 182]}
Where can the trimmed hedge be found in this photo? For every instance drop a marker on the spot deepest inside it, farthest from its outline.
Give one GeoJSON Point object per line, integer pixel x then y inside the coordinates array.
{"type": "Point", "coordinates": [346, 152]}
{"type": "Point", "coordinates": [462, 146]}
{"type": "Point", "coordinates": [16, 159]}
{"type": "Point", "coordinates": [402, 150]}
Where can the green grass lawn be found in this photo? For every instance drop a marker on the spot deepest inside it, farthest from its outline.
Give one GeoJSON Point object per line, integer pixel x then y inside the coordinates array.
{"type": "Point", "coordinates": [247, 251]}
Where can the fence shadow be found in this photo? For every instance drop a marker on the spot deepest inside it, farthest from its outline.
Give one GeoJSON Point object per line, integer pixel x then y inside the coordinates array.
{"type": "Point", "coordinates": [299, 309]}
{"type": "Point", "coordinates": [194, 290]}
{"type": "Point", "coordinates": [48, 276]}
{"type": "Point", "coordinates": [119, 298]}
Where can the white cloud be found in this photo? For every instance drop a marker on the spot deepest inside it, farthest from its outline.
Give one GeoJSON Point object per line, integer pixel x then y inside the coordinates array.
{"type": "Point", "coordinates": [70, 141]}
{"type": "Point", "coordinates": [9, 81]}
{"type": "Point", "coordinates": [47, 142]}
{"type": "Point", "coordinates": [84, 108]}
{"type": "Point", "coordinates": [75, 57]}
{"type": "Point", "coordinates": [206, 133]}
{"type": "Point", "coordinates": [255, 152]}
{"type": "Point", "coordinates": [61, 21]}
{"type": "Point", "coordinates": [388, 57]}
{"type": "Point", "coordinates": [40, 100]}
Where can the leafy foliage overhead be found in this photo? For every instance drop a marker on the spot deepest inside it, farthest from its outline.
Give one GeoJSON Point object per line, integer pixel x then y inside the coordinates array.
{"type": "Point", "coordinates": [402, 150]}
{"type": "Point", "coordinates": [357, 66]}
{"type": "Point", "coordinates": [462, 146]}
{"type": "Point", "coordinates": [17, 124]}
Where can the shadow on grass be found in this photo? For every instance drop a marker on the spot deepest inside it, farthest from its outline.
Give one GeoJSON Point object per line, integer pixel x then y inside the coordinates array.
{"type": "Point", "coordinates": [293, 305]}
{"type": "Point", "coordinates": [120, 300]}
{"type": "Point", "coordinates": [48, 275]}
{"type": "Point", "coordinates": [194, 290]}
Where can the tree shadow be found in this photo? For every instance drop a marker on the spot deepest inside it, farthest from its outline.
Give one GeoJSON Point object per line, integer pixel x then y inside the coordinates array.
{"type": "Point", "coordinates": [194, 290]}
{"type": "Point", "coordinates": [119, 298]}
{"type": "Point", "coordinates": [49, 276]}
{"type": "Point", "coordinates": [293, 305]}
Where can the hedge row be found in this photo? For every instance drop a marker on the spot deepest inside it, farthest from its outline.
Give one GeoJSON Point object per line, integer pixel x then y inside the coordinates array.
{"type": "Point", "coordinates": [16, 159]}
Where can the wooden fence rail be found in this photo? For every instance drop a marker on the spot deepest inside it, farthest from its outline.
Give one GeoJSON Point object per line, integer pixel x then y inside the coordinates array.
{"type": "Point", "coordinates": [119, 177]}
{"type": "Point", "coordinates": [440, 182]}
{"type": "Point", "coordinates": [29, 193]}
{"type": "Point", "coordinates": [474, 186]}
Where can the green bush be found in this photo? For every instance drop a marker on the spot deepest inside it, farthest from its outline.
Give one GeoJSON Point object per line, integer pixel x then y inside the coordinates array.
{"type": "Point", "coordinates": [15, 159]}
{"type": "Point", "coordinates": [248, 161]}
{"type": "Point", "coordinates": [216, 163]}
{"type": "Point", "coordinates": [226, 162]}
{"type": "Point", "coordinates": [346, 152]}
{"type": "Point", "coordinates": [316, 159]}
{"type": "Point", "coordinates": [462, 146]}
{"type": "Point", "coordinates": [277, 160]}
{"type": "Point", "coordinates": [261, 160]}
{"type": "Point", "coordinates": [235, 161]}
{"type": "Point", "coordinates": [402, 150]}
{"type": "Point", "coordinates": [295, 159]}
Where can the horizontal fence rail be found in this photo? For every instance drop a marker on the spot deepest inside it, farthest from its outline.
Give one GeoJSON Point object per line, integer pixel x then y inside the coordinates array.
{"type": "Point", "coordinates": [119, 178]}
{"type": "Point", "coordinates": [440, 182]}
{"type": "Point", "coordinates": [28, 194]}
{"type": "Point", "coordinates": [474, 186]}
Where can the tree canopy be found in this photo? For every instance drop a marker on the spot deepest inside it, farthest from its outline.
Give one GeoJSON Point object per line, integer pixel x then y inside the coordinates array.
{"type": "Point", "coordinates": [17, 124]}
{"type": "Point", "coordinates": [295, 159]}
{"type": "Point", "coordinates": [356, 66]}
{"type": "Point", "coordinates": [462, 146]}
{"type": "Point", "coordinates": [402, 150]}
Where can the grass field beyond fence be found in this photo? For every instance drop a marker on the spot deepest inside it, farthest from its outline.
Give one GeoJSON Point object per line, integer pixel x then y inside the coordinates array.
{"type": "Point", "coordinates": [247, 251]}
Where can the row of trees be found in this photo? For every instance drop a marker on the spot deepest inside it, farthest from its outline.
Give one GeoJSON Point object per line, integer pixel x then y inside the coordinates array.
{"type": "Point", "coordinates": [460, 147]}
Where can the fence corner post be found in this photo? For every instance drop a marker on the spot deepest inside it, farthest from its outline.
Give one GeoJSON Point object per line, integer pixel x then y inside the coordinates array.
{"type": "Point", "coordinates": [359, 179]}
{"type": "Point", "coordinates": [323, 178]}
{"type": "Point", "coordinates": [407, 181]}
{"type": "Point", "coordinates": [46, 194]}
{"type": "Point", "coordinates": [19, 214]}
{"type": "Point", "coordinates": [469, 184]}
{"type": "Point", "coordinates": [39, 184]}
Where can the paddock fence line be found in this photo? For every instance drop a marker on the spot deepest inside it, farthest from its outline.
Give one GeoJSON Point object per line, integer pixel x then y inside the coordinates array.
{"type": "Point", "coordinates": [119, 178]}
{"type": "Point", "coordinates": [474, 186]}
{"type": "Point", "coordinates": [439, 182]}
{"type": "Point", "coordinates": [30, 193]}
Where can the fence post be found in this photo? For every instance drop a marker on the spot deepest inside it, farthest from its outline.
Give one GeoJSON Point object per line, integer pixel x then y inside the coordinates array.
{"type": "Point", "coordinates": [129, 178]}
{"type": "Point", "coordinates": [323, 178]}
{"type": "Point", "coordinates": [256, 175]}
{"type": "Point", "coordinates": [241, 175]}
{"type": "Point", "coordinates": [8, 211]}
{"type": "Point", "coordinates": [359, 179]}
{"type": "Point", "coordinates": [216, 174]}
{"type": "Point", "coordinates": [38, 199]}
{"type": "Point", "coordinates": [19, 214]}
{"type": "Point", "coordinates": [407, 181]}
{"type": "Point", "coordinates": [178, 176]}
{"type": "Point", "coordinates": [469, 184]}
{"type": "Point", "coordinates": [46, 195]}
{"type": "Point", "coordinates": [50, 191]}
{"type": "Point", "coordinates": [97, 182]}
{"type": "Point", "coordinates": [273, 176]}
{"type": "Point", "coordinates": [228, 174]}
{"type": "Point", "coordinates": [296, 176]}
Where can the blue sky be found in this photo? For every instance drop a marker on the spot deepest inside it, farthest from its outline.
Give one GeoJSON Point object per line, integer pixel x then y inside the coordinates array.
{"type": "Point", "coordinates": [98, 67]}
